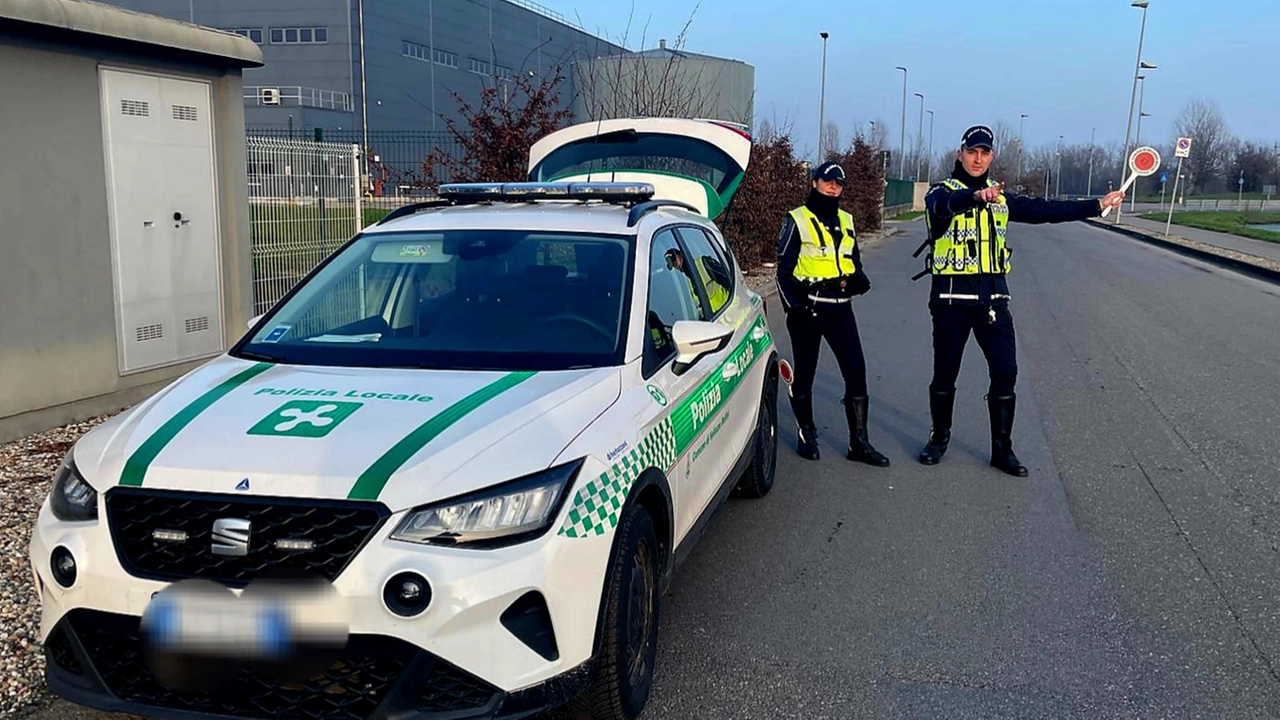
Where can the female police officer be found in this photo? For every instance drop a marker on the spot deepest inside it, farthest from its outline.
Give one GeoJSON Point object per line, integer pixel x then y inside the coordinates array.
{"type": "Point", "coordinates": [966, 219]}
{"type": "Point", "coordinates": [819, 273]}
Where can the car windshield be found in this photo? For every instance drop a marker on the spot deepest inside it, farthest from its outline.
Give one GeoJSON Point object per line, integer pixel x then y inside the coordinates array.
{"type": "Point", "coordinates": [457, 299]}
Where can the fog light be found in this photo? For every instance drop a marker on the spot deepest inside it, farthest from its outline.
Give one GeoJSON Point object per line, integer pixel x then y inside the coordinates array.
{"type": "Point", "coordinates": [64, 566]}
{"type": "Point", "coordinates": [407, 594]}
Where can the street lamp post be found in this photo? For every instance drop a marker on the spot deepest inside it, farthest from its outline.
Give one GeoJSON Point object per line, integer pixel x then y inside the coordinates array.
{"type": "Point", "coordinates": [928, 175]}
{"type": "Point", "coordinates": [919, 133]}
{"type": "Point", "coordinates": [1137, 134]}
{"type": "Point", "coordinates": [1089, 190]}
{"type": "Point", "coordinates": [1021, 124]}
{"type": "Point", "coordinates": [902, 138]}
{"type": "Point", "coordinates": [1124, 159]}
{"type": "Point", "coordinates": [1058, 191]}
{"type": "Point", "coordinates": [822, 99]}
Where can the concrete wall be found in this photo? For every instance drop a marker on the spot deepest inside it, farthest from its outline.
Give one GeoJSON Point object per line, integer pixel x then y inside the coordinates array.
{"type": "Point", "coordinates": [58, 359]}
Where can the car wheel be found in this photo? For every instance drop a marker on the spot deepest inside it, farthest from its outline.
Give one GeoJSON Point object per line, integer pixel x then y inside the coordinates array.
{"type": "Point", "coordinates": [623, 676]}
{"type": "Point", "coordinates": [757, 481]}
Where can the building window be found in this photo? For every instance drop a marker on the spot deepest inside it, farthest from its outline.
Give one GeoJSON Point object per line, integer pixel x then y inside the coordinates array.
{"type": "Point", "coordinates": [480, 67]}
{"type": "Point", "coordinates": [299, 36]}
{"type": "Point", "coordinates": [503, 73]}
{"type": "Point", "coordinates": [446, 58]}
{"type": "Point", "coordinates": [254, 34]}
{"type": "Point", "coordinates": [425, 54]}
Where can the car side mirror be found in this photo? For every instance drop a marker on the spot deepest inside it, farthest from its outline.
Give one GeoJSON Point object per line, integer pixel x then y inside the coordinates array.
{"type": "Point", "coordinates": [254, 320]}
{"type": "Point", "coordinates": [695, 339]}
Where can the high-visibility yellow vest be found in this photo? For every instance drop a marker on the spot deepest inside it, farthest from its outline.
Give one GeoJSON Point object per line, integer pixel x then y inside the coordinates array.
{"type": "Point", "coordinates": [818, 258]}
{"type": "Point", "coordinates": [717, 294]}
{"type": "Point", "coordinates": [975, 241]}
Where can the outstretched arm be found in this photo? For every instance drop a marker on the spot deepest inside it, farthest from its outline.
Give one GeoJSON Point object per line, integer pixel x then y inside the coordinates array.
{"type": "Point", "coordinates": [1035, 211]}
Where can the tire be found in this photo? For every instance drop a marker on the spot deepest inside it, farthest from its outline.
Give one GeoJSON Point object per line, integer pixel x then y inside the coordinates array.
{"type": "Point", "coordinates": [757, 481]}
{"type": "Point", "coordinates": [623, 675]}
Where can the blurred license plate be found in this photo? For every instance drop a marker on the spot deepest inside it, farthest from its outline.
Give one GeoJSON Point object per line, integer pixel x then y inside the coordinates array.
{"type": "Point", "coordinates": [226, 625]}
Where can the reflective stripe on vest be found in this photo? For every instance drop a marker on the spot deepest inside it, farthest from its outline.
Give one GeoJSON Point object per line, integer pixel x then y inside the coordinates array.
{"type": "Point", "coordinates": [818, 260]}
{"type": "Point", "coordinates": [975, 241]}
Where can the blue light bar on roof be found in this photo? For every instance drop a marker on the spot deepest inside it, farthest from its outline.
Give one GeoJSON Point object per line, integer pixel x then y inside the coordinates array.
{"type": "Point", "coordinates": [528, 191]}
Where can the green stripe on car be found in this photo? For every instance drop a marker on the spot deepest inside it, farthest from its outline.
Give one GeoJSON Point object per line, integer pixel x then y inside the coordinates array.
{"type": "Point", "coordinates": [370, 483]}
{"type": "Point", "coordinates": [135, 469]}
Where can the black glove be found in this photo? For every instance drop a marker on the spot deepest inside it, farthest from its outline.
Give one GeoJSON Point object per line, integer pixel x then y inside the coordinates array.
{"type": "Point", "coordinates": [860, 284]}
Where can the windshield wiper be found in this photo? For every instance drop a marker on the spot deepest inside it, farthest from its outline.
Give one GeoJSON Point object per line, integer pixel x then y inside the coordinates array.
{"type": "Point", "coordinates": [251, 355]}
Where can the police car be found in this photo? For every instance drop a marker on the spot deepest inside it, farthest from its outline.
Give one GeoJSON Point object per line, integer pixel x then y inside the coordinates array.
{"type": "Point", "coordinates": [449, 474]}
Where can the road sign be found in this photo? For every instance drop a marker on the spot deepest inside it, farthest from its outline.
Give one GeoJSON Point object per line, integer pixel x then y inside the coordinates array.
{"type": "Point", "coordinates": [1269, 189]}
{"type": "Point", "coordinates": [1164, 177]}
{"type": "Point", "coordinates": [1184, 148]}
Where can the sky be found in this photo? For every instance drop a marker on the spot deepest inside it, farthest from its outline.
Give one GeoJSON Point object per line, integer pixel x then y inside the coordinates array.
{"type": "Point", "coordinates": [1068, 64]}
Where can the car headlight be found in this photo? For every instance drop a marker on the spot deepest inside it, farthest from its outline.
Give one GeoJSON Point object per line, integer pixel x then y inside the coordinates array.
{"type": "Point", "coordinates": [72, 498]}
{"type": "Point", "coordinates": [505, 514]}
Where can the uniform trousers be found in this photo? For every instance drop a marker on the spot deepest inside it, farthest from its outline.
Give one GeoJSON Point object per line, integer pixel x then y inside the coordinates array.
{"type": "Point", "coordinates": [951, 327]}
{"type": "Point", "coordinates": [836, 323]}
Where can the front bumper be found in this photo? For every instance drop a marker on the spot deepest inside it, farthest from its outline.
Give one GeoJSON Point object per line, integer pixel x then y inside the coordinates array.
{"type": "Point", "coordinates": [95, 659]}
{"type": "Point", "coordinates": [466, 656]}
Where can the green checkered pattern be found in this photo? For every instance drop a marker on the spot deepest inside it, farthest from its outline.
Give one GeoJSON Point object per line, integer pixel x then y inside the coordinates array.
{"type": "Point", "coordinates": [598, 504]}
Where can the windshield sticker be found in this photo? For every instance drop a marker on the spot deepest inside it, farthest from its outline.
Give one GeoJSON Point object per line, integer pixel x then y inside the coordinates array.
{"type": "Point", "coordinates": [358, 394]}
{"type": "Point", "coordinates": [368, 337]}
{"type": "Point", "coordinates": [305, 418]}
{"type": "Point", "coordinates": [277, 334]}
{"type": "Point", "coordinates": [413, 251]}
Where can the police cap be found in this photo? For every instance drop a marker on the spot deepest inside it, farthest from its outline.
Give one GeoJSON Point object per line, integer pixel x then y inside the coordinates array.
{"type": "Point", "coordinates": [829, 170]}
{"type": "Point", "coordinates": [978, 136]}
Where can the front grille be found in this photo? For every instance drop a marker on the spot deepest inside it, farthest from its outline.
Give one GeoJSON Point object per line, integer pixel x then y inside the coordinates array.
{"type": "Point", "coordinates": [326, 534]}
{"type": "Point", "coordinates": [450, 689]}
{"type": "Point", "coordinates": [352, 689]}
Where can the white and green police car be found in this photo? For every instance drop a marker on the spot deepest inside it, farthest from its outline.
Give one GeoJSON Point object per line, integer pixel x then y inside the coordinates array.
{"type": "Point", "coordinates": [448, 475]}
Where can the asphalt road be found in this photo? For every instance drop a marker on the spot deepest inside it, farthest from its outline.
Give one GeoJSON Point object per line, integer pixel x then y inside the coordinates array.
{"type": "Point", "coordinates": [1133, 574]}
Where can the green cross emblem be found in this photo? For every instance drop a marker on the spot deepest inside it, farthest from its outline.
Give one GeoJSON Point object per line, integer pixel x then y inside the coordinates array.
{"type": "Point", "coordinates": [305, 418]}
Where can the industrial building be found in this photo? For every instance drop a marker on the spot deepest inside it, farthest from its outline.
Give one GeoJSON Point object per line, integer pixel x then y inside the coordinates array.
{"type": "Point", "coordinates": [323, 58]}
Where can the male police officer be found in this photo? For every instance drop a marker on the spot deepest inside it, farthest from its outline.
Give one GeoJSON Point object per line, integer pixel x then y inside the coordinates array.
{"type": "Point", "coordinates": [819, 273]}
{"type": "Point", "coordinates": [967, 217]}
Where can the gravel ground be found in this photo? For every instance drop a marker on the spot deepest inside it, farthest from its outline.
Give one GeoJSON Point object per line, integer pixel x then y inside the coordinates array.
{"type": "Point", "coordinates": [26, 467]}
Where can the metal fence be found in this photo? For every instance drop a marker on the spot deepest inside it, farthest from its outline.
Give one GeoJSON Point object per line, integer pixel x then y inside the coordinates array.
{"type": "Point", "coordinates": [303, 203]}
{"type": "Point", "coordinates": [402, 163]}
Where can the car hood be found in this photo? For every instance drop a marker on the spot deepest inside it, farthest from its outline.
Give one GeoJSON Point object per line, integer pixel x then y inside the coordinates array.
{"type": "Point", "coordinates": [402, 437]}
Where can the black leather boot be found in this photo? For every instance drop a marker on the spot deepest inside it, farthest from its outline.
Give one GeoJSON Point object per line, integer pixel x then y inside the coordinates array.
{"type": "Point", "coordinates": [940, 405]}
{"type": "Point", "coordinates": [1002, 457]}
{"type": "Point", "coordinates": [860, 449]}
{"type": "Point", "coordinates": [807, 445]}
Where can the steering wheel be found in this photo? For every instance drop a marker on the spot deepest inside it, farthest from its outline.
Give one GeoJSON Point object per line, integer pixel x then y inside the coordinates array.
{"type": "Point", "coordinates": [560, 317]}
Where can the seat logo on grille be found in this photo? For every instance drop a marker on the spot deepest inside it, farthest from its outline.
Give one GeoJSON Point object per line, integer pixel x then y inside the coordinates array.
{"type": "Point", "coordinates": [231, 537]}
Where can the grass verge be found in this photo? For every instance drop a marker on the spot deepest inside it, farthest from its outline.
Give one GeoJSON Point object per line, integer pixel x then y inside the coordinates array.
{"type": "Point", "coordinates": [1226, 222]}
